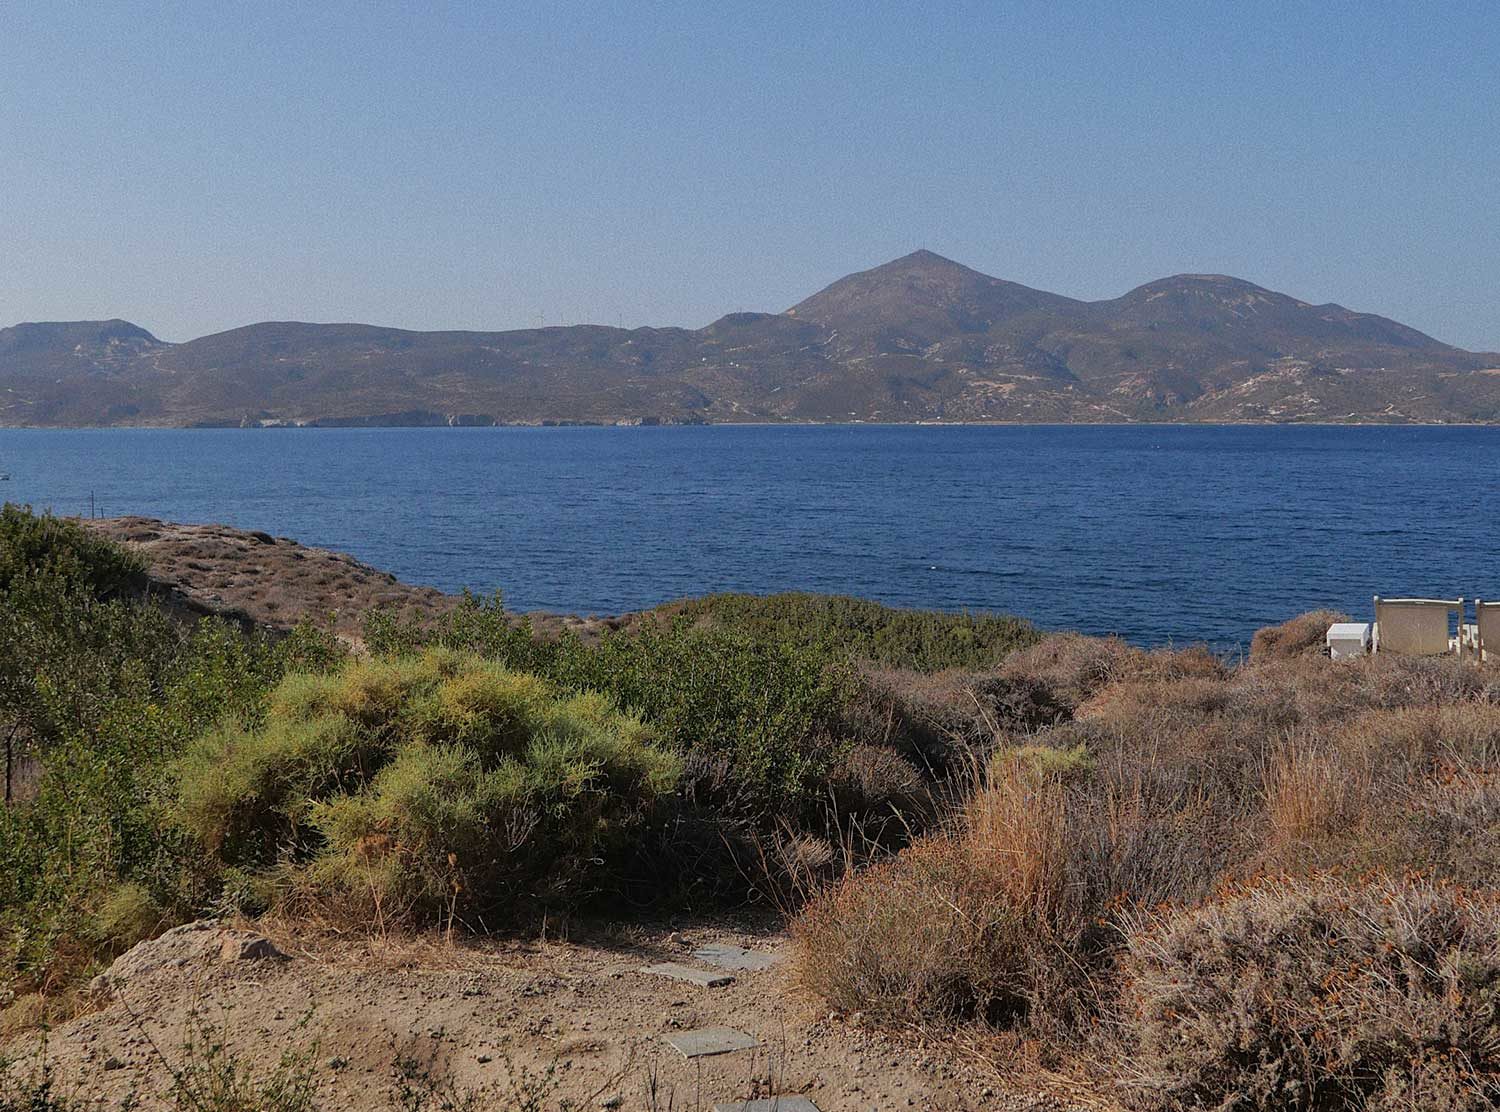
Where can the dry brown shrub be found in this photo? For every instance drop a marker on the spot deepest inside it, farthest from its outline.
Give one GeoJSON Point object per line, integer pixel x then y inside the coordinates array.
{"type": "Point", "coordinates": [1193, 662]}
{"type": "Point", "coordinates": [23, 1014]}
{"type": "Point", "coordinates": [1412, 681]}
{"type": "Point", "coordinates": [937, 718]}
{"type": "Point", "coordinates": [1420, 739]}
{"type": "Point", "coordinates": [871, 778]}
{"type": "Point", "coordinates": [982, 922]}
{"type": "Point", "coordinates": [1443, 825]}
{"type": "Point", "coordinates": [1017, 837]}
{"type": "Point", "coordinates": [899, 941]}
{"type": "Point", "coordinates": [1136, 697]}
{"type": "Point", "coordinates": [1007, 917]}
{"type": "Point", "coordinates": [1304, 635]}
{"type": "Point", "coordinates": [1184, 736]}
{"type": "Point", "coordinates": [1071, 665]}
{"type": "Point", "coordinates": [1316, 996]}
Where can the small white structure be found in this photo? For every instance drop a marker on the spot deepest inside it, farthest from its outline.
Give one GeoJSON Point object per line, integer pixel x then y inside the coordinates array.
{"type": "Point", "coordinates": [1348, 639]}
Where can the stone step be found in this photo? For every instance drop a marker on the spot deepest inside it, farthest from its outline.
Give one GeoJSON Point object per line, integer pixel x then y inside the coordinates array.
{"type": "Point", "coordinates": [690, 973]}
{"type": "Point", "coordinates": [707, 1041]}
{"type": "Point", "coordinates": [735, 957]}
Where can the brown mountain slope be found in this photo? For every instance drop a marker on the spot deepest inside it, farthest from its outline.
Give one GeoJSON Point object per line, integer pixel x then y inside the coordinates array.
{"type": "Point", "coordinates": [921, 338]}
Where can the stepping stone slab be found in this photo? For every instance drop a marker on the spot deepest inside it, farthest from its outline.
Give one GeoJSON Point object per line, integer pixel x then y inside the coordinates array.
{"type": "Point", "coordinates": [705, 977]}
{"type": "Point", "coordinates": [775, 1104]}
{"type": "Point", "coordinates": [708, 1041]}
{"type": "Point", "coordinates": [735, 957]}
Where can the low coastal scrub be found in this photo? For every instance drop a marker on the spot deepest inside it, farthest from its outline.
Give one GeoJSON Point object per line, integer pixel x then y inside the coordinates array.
{"type": "Point", "coordinates": [40, 547]}
{"type": "Point", "coordinates": [853, 628]}
{"type": "Point", "coordinates": [1090, 889]}
{"type": "Point", "coordinates": [755, 717]}
{"type": "Point", "coordinates": [99, 690]}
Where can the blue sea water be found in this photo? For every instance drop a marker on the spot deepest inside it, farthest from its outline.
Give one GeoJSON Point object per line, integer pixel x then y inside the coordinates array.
{"type": "Point", "coordinates": [1159, 533]}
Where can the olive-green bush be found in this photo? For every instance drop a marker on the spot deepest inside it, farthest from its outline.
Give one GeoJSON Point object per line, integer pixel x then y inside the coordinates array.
{"type": "Point", "coordinates": [99, 692]}
{"type": "Point", "coordinates": [435, 786]}
{"type": "Point", "coordinates": [756, 716]}
{"type": "Point", "coordinates": [858, 629]}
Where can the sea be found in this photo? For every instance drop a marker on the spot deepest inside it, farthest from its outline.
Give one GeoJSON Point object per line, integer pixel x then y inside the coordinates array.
{"type": "Point", "coordinates": [1161, 534]}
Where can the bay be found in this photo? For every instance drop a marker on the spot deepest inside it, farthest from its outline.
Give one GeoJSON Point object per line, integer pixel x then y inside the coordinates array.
{"type": "Point", "coordinates": [1163, 534]}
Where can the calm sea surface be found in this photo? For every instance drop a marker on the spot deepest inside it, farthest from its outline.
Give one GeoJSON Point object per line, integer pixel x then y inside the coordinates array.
{"type": "Point", "coordinates": [1157, 533]}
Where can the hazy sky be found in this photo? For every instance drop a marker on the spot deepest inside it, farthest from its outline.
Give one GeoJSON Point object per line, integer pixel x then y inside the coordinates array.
{"type": "Point", "coordinates": [193, 167]}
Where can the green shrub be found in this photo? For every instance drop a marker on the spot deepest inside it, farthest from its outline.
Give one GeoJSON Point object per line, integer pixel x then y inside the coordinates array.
{"type": "Point", "coordinates": [129, 914]}
{"type": "Point", "coordinates": [756, 717]}
{"type": "Point", "coordinates": [245, 792]}
{"type": "Point", "coordinates": [1318, 996]}
{"type": "Point", "coordinates": [41, 546]}
{"type": "Point", "coordinates": [100, 695]}
{"type": "Point", "coordinates": [757, 720]}
{"type": "Point", "coordinates": [436, 785]}
{"type": "Point", "coordinates": [852, 628]}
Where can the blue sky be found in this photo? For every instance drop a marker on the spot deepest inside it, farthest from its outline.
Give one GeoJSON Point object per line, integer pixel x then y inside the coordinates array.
{"type": "Point", "coordinates": [193, 167]}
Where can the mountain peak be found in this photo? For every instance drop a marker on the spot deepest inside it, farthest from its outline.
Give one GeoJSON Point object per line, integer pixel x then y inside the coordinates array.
{"type": "Point", "coordinates": [1201, 285]}
{"type": "Point", "coordinates": [911, 300]}
{"type": "Point", "coordinates": [923, 257]}
{"type": "Point", "coordinates": [1215, 302]}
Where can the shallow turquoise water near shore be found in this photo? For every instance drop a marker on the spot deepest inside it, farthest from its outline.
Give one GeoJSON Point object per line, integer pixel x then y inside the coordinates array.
{"type": "Point", "coordinates": [1159, 533]}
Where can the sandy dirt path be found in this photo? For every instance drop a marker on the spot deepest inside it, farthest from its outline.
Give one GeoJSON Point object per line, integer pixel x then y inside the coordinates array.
{"type": "Point", "coordinates": [488, 1016]}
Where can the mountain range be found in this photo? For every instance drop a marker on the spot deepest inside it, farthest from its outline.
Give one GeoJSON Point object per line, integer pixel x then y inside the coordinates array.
{"type": "Point", "coordinates": [921, 338]}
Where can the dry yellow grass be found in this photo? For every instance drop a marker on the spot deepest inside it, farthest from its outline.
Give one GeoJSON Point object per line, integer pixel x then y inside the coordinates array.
{"type": "Point", "coordinates": [1016, 836]}
{"type": "Point", "coordinates": [1312, 792]}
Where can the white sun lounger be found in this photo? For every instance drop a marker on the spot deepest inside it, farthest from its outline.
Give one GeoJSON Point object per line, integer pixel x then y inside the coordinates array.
{"type": "Point", "coordinates": [1486, 629]}
{"type": "Point", "coordinates": [1417, 626]}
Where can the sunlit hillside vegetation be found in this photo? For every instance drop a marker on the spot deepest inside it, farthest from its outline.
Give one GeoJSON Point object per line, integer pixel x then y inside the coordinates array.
{"type": "Point", "coordinates": [1185, 882]}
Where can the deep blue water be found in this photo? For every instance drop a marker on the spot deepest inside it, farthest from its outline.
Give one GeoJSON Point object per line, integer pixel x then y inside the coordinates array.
{"type": "Point", "coordinates": [1157, 533]}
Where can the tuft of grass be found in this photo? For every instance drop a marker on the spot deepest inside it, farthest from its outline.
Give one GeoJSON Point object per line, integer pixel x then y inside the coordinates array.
{"type": "Point", "coordinates": [1002, 919]}
{"type": "Point", "coordinates": [1072, 763]}
{"type": "Point", "coordinates": [1311, 792]}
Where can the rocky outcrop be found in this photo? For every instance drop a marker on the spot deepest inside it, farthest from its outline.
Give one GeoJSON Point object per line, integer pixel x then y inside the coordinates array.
{"type": "Point", "coordinates": [198, 944]}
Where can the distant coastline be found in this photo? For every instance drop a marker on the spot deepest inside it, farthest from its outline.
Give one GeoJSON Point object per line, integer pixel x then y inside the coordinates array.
{"type": "Point", "coordinates": [317, 424]}
{"type": "Point", "coordinates": [918, 340]}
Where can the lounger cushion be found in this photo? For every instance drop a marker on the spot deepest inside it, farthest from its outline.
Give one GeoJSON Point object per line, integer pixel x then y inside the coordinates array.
{"type": "Point", "coordinates": [1412, 627]}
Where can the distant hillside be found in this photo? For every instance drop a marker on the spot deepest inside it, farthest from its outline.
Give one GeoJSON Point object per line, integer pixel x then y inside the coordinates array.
{"type": "Point", "coordinates": [921, 338]}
